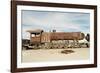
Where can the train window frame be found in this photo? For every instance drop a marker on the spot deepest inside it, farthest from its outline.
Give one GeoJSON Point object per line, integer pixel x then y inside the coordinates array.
{"type": "Point", "coordinates": [14, 36]}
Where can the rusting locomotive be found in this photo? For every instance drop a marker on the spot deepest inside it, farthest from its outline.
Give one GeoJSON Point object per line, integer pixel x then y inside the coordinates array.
{"type": "Point", "coordinates": [41, 39]}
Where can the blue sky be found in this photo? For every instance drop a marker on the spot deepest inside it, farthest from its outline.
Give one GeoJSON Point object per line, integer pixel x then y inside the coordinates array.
{"type": "Point", "coordinates": [60, 21]}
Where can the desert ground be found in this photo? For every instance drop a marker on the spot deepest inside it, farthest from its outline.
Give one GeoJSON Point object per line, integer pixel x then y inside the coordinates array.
{"type": "Point", "coordinates": [42, 55]}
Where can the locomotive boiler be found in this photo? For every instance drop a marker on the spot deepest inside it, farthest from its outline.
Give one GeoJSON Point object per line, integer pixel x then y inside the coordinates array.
{"type": "Point", "coordinates": [55, 36]}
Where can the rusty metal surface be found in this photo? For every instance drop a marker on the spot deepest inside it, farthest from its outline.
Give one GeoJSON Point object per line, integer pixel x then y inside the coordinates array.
{"type": "Point", "coordinates": [35, 39]}
{"type": "Point", "coordinates": [62, 36]}
{"type": "Point", "coordinates": [50, 36]}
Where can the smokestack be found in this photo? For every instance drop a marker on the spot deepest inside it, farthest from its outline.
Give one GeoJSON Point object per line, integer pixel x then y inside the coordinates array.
{"type": "Point", "coordinates": [53, 30]}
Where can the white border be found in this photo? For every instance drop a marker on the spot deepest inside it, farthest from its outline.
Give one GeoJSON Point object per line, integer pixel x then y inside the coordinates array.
{"type": "Point", "coordinates": [57, 63]}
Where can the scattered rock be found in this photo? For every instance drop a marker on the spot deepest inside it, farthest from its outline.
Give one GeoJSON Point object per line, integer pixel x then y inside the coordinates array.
{"type": "Point", "coordinates": [67, 51]}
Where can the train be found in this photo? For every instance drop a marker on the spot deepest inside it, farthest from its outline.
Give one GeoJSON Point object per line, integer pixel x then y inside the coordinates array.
{"type": "Point", "coordinates": [41, 39]}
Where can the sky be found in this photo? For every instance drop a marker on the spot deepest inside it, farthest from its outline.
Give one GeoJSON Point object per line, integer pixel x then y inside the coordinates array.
{"type": "Point", "coordinates": [51, 20]}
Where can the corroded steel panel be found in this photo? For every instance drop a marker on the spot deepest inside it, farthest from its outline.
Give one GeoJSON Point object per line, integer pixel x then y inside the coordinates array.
{"type": "Point", "coordinates": [47, 37]}
{"type": "Point", "coordinates": [35, 39]}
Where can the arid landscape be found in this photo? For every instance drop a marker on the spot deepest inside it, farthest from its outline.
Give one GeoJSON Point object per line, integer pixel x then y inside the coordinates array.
{"type": "Point", "coordinates": [42, 55]}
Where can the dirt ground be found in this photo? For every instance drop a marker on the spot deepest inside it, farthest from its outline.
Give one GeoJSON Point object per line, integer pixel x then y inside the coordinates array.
{"type": "Point", "coordinates": [42, 55]}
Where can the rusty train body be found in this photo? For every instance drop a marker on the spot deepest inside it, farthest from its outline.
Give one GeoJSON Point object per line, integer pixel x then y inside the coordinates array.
{"type": "Point", "coordinates": [55, 36]}
{"type": "Point", "coordinates": [39, 38]}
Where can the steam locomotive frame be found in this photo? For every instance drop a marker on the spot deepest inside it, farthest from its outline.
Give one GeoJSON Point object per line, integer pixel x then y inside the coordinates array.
{"type": "Point", "coordinates": [50, 40]}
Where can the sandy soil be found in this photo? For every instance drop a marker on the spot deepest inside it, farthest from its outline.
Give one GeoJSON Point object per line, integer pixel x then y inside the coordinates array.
{"type": "Point", "coordinates": [54, 55]}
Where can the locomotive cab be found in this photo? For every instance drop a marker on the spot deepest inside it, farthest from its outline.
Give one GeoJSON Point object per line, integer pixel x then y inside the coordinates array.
{"type": "Point", "coordinates": [35, 36]}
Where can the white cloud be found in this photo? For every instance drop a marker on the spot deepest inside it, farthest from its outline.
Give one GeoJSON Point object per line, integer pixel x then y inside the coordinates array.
{"type": "Point", "coordinates": [53, 20]}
